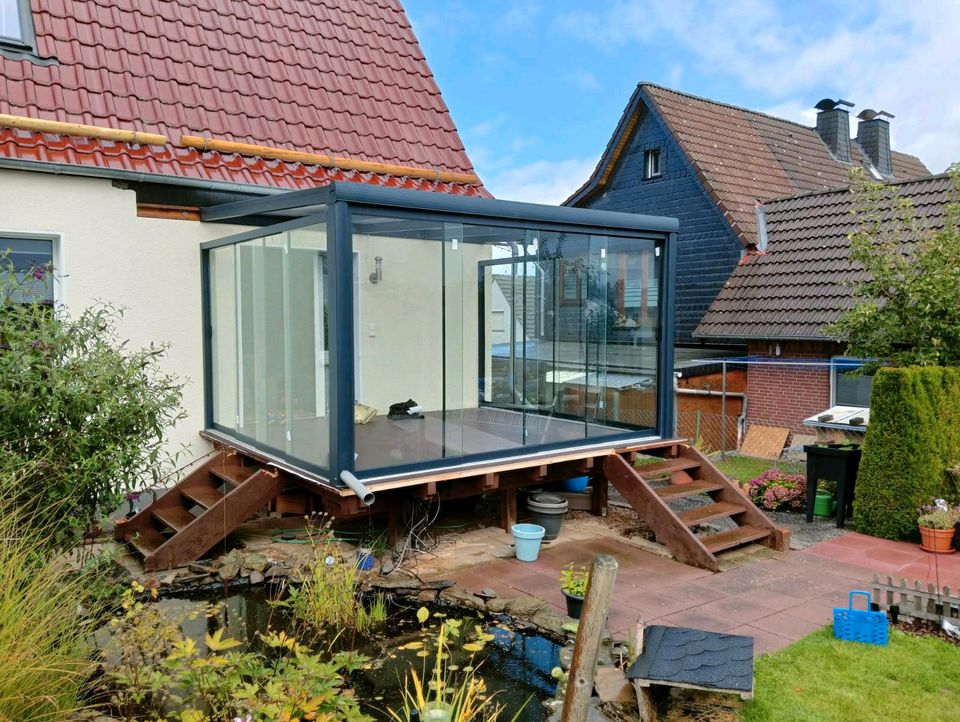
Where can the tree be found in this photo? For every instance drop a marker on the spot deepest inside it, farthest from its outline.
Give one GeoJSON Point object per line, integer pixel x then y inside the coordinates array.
{"type": "Point", "coordinates": [907, 300]}
{"type": "Point", "coordinates": [83, 418]}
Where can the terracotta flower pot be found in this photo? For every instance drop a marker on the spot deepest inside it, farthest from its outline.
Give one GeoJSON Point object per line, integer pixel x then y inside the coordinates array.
{"type": "Point", "coordinates": [938, 541]}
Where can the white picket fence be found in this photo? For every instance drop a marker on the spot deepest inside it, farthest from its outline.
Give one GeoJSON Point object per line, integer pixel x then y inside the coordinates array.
{"type": "Point", "coordinates": [916, 603]}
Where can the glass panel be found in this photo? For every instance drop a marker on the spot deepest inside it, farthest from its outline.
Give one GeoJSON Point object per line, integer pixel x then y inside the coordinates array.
{"type": "Point", "coordinates": [501, 338]}
{"type": "Point", "coordinates": [10, 19]}
{"type": "Point", "coordinates": [224, 359]}
{"type": "Point", "coordinates": [269, 342]}
{"type": "Point", "coordinates": [850, 389]}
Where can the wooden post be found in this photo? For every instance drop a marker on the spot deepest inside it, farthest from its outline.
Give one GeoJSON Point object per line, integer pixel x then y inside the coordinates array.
{"type": "Point", "coordinates": [598, 496]}
{"type": "Point", "coordinates": [593, 620]}
{"type": "Point", "coordinates": [647, 710]}
{"type": "Point", "coordinates": [508, 509]}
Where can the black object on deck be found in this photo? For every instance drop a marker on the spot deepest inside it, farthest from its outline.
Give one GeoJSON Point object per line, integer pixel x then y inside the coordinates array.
{"type": "Point", "coordinates": [836, 462]}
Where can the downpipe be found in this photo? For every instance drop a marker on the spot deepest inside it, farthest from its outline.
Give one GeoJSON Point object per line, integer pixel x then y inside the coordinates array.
{"type": "Point", "coordinates": [365, 496]}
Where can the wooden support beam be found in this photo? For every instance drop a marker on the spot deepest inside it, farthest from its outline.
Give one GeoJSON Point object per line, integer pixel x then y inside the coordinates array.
{"type": "Point", "coordinates": [81, 131]}
{"type": "Point", "coordinates": [394, 523]}
{"type": "Point", "coordinates": [598, 495]}
{"type": "Point", "coordinates": [167, 212]}
{"type": "Point", "coordinates": [508, 509]}
{"type": "Point", "coordinates": [593, 620]}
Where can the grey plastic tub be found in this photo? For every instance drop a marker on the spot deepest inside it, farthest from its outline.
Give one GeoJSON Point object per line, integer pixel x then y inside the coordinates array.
{"type": "Point", "coordinates": [547, 510]}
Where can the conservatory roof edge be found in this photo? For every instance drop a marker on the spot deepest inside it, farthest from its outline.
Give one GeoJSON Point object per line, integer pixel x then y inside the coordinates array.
{"type": "Point", "coordinates": [297, 203]}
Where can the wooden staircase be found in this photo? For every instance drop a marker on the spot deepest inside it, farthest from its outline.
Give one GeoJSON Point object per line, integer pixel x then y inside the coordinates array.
{"type": "Point", "coordinates": [200, 511]}
{"type": "Point", "coordinates": [691, 474]}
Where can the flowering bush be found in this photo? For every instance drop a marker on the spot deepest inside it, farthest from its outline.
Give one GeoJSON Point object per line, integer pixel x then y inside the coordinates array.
{"type": "Point", "coordinates": [775, 490]}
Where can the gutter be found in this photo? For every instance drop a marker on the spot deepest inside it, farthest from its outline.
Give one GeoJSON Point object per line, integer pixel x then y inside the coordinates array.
{"type": "Point", "coordinates": [135, 177]}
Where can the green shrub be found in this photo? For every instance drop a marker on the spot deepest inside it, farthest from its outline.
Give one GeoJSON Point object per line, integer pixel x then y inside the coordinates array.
{"type": "Point", "coordinates": [913, 437]}
{"type": "Point", "coordinates": [73, 393]}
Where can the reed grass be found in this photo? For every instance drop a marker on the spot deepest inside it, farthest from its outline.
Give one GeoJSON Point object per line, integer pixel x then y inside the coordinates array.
{"type": "Point", "coordinates": [44, 661]}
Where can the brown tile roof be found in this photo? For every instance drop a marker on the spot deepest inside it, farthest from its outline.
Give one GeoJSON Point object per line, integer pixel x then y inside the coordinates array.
{"type": "Point", "coordinates": [343, 78]}
{"type": "Point", "coordinates": [802, 281]}
{"type": "Point", "coordinates": [740, 155]}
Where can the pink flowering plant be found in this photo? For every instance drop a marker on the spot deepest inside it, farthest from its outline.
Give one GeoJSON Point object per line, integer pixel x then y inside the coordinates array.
{"type": "Point", "coordinates": [775, 490]}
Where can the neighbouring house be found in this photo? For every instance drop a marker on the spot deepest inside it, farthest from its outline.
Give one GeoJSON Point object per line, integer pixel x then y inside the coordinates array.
{"type": "Point", "coordinates": [778, 300]}
{"type": "Point", "coordinates": [171, 107]}
{"type": "Point", "coordinates": [711, 165]}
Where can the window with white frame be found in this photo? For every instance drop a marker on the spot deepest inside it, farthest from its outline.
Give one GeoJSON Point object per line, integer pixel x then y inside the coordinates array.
{"type": "Point", "coordinates": [651, 163]}
{"type": "Point", "coordinates": [31, 260]}
{"type": "Point", "coordinates": [849, 387]}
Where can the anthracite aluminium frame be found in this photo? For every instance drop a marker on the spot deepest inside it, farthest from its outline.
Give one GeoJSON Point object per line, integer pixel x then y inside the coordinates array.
{"type": "Point", "coordinates": [297, 209]}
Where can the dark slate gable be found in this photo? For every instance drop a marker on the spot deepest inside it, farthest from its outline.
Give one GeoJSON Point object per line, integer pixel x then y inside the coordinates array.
{"type": "Point", "coordinates": [707, 247]}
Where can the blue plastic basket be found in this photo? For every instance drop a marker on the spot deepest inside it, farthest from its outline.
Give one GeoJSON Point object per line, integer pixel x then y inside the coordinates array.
{"type": "Point", "coordinates": [860, 625]}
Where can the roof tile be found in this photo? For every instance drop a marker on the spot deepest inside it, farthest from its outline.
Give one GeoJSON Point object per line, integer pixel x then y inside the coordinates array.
{"type": "Point", "coordinates": [241, 71]}
{"type": "Point", "coordinates": [802, 281]}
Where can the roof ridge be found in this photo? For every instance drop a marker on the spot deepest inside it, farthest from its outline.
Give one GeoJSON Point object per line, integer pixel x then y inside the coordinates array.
{"type": "Point", "coordinates": [845, 188]}
{"type": "Point", "coordinates": [727, 105]}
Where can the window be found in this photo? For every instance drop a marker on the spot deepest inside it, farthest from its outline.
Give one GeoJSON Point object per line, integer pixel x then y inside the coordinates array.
{"type": "Point", "coordinates": [11, 22]}
{"type": "Point", "coordinates": [570, 286]}
{"type": "Point", "coordinates": [651, 163]}
{"type": "Point", "coordinates": [32, 262]}
{"type": "Point", "coordinates": [849, 389]}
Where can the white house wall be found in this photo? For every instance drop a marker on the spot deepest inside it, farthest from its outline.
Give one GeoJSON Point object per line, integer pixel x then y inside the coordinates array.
{"type": "Point", "coordinates": [105, 252]}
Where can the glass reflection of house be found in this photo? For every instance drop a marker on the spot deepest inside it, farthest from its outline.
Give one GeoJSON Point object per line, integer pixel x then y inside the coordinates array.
{"type": "Point", "coordinates": [518, 329]}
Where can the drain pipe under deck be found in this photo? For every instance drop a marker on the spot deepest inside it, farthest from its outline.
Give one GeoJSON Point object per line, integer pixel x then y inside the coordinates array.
{"type": "Point", "coordinates": [366, 496]}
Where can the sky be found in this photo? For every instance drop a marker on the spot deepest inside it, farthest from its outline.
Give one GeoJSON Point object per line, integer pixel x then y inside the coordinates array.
{"type": "Point", "coordinates": [536, 87]}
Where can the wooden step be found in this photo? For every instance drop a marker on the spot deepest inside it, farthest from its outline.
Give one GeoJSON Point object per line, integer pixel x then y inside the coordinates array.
{"type": "Point", "coordinates": [146, 541]}
{"type": "Point", "coordinates": [676, 491]}
{"type": "Point", "coordinates": [175, 517]}
{"type": "Point", "coordinates": [205, 496]}
{"type": "Point", "coordinates": [733, 538]}
{"type": "Point", "coordinates": [234, 473]}
{"type": "Point", "coordinates": [708, 512]}
{"type": "Point", "coordinates": [668, 466]}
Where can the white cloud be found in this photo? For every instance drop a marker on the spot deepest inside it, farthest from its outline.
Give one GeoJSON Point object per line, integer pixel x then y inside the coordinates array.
{"type": "Point", "coordinates": [542, 181]}
{"type": "Point", "coordinates": [900, 58]}
{"type": "Point", "coordinates": [585, 80]}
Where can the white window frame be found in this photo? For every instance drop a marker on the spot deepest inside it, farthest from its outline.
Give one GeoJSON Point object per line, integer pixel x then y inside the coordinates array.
{"type": "Point", "coordinates": [56, 253]}
{"type": "Point", "coordinates": [652, 157]}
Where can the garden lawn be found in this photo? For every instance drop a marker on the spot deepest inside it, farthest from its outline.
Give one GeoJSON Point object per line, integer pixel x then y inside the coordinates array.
{"type": "Point", "coordinates": [745, 468]}
{"type": "Point", "coordinates": [824, 679]}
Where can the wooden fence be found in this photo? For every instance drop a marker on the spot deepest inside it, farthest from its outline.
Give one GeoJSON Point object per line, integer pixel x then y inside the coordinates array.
{"type": "Point", "coordinates": [916, 603]}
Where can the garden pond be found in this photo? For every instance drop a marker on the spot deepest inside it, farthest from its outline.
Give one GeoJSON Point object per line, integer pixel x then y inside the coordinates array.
{"type": "Point", "coordinates": [515, 665]}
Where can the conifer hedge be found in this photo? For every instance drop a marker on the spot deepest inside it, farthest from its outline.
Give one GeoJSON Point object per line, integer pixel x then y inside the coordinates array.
{"type": "Point", "coordinates": [913, 437]}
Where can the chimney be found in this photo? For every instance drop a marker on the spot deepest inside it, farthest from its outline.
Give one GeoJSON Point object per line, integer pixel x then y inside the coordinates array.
{"type": "Point", "coordinates": [873, 135]}
{"type": "Point", "coordinates": [833, 127]}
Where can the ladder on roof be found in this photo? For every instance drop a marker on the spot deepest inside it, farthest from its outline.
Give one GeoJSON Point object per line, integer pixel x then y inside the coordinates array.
{"type": "Point", "coordinates": [685, 473]}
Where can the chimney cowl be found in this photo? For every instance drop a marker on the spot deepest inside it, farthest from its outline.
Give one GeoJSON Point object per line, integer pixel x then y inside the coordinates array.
{"type": "Point", "coordinates": [833, 127]}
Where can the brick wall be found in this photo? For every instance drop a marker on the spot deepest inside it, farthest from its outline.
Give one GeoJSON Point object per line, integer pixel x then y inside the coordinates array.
{"type": "Point", "coordinates": [707, 249]}
{"type": "Point", "coordinates": [784, 395]}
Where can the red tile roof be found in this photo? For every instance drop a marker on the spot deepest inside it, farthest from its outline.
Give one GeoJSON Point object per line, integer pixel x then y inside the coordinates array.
{"type": "Point", "coordinates": [740, 155]}
{"type": "Point", "coordinates": [343, 78]}
{"type": "Point", "coordinates": [803, 280]}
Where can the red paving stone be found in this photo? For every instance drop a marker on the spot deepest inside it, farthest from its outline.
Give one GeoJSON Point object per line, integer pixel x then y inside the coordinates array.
{"type": "Point", "coordinates": [776, 600]}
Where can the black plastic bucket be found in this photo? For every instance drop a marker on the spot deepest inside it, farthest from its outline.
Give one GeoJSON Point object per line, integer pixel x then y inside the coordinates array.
{"type": "Point", "coordinates": [547, 510]}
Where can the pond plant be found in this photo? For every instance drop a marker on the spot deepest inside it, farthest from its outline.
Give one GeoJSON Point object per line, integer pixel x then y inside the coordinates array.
{"type": "Point", "coordinates": [328, 594]}
{"type": "Point", "coordinates": [153, 672]}
{"type": "Point", "coordinates": [448, 687]}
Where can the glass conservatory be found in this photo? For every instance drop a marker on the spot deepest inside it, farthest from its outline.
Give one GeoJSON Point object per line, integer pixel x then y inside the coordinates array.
{"type": "Point", "coordinates": [387, 332]}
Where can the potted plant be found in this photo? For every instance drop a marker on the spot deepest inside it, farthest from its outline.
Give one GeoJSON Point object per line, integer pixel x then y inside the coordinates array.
{"type": "Point", "coordinates": [573, 584]}
{"type": "Point", "coordinates": [936, 522]}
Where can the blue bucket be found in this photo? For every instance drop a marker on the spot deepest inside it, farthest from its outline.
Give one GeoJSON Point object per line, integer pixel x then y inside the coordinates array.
{"type": "Point", "coordinates": [365, 560]}
{"type": "Point", "coordinates": [577, 484]}
{"type": "Point", "coordinates": [526, 539]}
